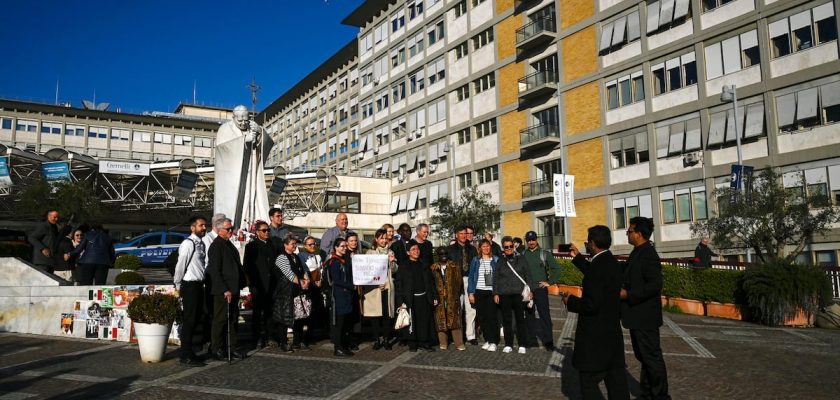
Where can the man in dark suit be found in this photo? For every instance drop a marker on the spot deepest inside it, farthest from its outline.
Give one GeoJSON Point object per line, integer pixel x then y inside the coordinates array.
{"type": "Point", "coordinates": [44, 241]}
{"type": "Point", "coordinates": [599, 343]}
{"type": "Point", "coordinates": [260, 256]}
{"type": "Point", "coordinates": [641, 308]}
{"type": "Point", "coordinates": [226, 280]}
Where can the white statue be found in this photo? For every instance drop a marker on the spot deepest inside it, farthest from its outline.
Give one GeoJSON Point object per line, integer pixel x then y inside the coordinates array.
{"type": "Point", "coordinates": [240, 189]}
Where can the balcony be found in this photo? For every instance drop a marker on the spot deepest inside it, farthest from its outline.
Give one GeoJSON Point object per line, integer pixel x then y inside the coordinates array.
{"type": "Point", "coordinates": [536, 85]}
{"type": "Point", "coordinates": [522, 5]}
{"type": "Point", "coordinates": [539, 136]}
{"type": "Point", "coordinates": [536, 190]}
{"type": "Point", "coordinates": [536, 33]}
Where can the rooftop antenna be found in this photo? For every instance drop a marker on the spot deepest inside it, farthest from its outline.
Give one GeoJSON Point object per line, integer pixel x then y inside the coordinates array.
{"type": "Point", "coordinates": [194, 90]}
{"type": "Point", "coordinates": [254, 88]}
{"type": "Point", "coordinates": [56, 91]}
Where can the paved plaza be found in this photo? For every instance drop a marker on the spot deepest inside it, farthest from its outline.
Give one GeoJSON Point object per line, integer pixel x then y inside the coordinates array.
{"type": "Point", "coordinates": [707, 358]}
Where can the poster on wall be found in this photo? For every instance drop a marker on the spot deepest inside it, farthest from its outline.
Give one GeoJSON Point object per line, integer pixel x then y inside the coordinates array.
{"type": "Point", "coordinates": [66, 324]}
{"type": "Point", "coordinates": [120, 296]}
{"type": "Point", "coordinates": [107, 300]}
{"type": "Point", "coordinates": [80, 309]}
{"type": "Point", "coordinates": [92, 329]}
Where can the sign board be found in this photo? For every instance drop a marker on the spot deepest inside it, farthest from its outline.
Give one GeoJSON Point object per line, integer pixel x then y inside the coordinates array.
{"type": "Point", "coordinates": [56, 171]}
{"type": "Point", "coordinates": [741, 177]}
{"type": "Point", "coordinates": [276, 188]}
{"type": "Point", "coordinates": [123, 168]}
{"type": "Point", "coordinates": [370, 269]}
{"type": "Point", "coordinates": [5, 173]}
{"type": "Point", "coordinates": [185, 185]}
{"type": "Point", "coordinates": [564, 195]}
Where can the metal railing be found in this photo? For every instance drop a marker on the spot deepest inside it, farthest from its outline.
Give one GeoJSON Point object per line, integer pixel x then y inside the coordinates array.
{"type": "Point", "coordinates": [533, 28]}
{"type": "Point", "coordinates": [536, 188]}
{"type": "Point", "coordinates": [538, 132]}
{"type": "Point", "coordinates": [537, 79]}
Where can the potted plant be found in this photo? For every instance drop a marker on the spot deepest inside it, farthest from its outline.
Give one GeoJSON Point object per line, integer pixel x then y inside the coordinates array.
{"type": "Point", "coordinates": [128, 262]}
{"type": "Point", "coordinates": [786, 294]}
{"type": "Point", "coordinates": [152, 316]}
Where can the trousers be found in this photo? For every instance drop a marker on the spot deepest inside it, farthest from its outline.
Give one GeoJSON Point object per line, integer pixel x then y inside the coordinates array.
{"type": "Point", "coordinates": [654, 376]}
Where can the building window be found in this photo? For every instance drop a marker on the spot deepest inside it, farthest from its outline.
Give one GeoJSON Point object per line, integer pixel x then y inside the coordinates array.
{"type": "Point", "coordinates": [462, 93]}
{"type": "Point", "coordinates": [666, 14]}
{"type": "Point", "coordinates": [436, 71]}
{"type": "Point", "coordinates": [6, 123]}
{"type": "Point", "coordinates": [415, 9]}
{"type": "Point", "coordinates": [71, 130]}
{"type": "Point", "coordinates": [460, 8]}
{"type": "Point", "coordinates": [628, 150]}
{"type": "Point", "coordinates": [119, 134]}
{"type": "Point", "coordinates": [367, 108]}
{"type": "Point", "coordinates": [809, 108]}
{"type": "Point", "coordinates": [462, 50]}
{"type": "Point", "coordinates": [485, 82]}
{"type": "Point", "coordinates": [436, 32]}
{"type": "Point", "coordinates": [629, 207]}
{"type": "Point", "coordinates": [678, 138]}
{"type": "Point", "coordinates": [731, 55]}
{"type": "Point", "coordinates": [163, 138]}
{"type": "Point", "coordinates": [141, 136]}
{"type": "Point", "coordinates": [397, 20]}
{"type": "Point", "coordinates": [625, 90]}
{"type": "Point", "coordinates": [417, 121]}
{"type": "Point", "coordinates": [475, 3]}
{"type": "Point", "coordinates": [415, 44]}
{"type": "Point", "coordinates": [380, 33]}
{"type": "Point", "coordinates": [826, 258]}
{"type": "Point", "coordinates": [674, 74]}
{"type": "Point", "coordinates": [464, 136]}
{"type": "Point", "coordinates": [202, 142]}
{"type": "Point", "coordinates": [366, 42]}
{"type": "Point", "coordinates": [619, 32]}
{"type": "Point", "coordinates": [684, 205]}
{"type": "Point", "coordinates": [712, 4]}
{"type": "Point", "coordinates": [803, 30]}
{"type": "Point", "coordinates": [485, 128]}
{"type": "Point", "coordinates": [416, 81]}
{"type": "Point", "coordinates": [98, 132]}
{"type": "Point", "coordinates": [437, 111]}
{"type": "Point", "coordinates": [397, 57]}
{"type": "Point", "coordinates": [465, 181]}
{"type": "Point", "coordinates": [367, 75]}
{"type": "Point", "coordinates": [482, 39]}
{"type": "Point", "coordinates": [382, 101]}
{"type": "Point", "coordinates": [183, 140]}
{"type": "Point", "coordinates": [48, 127]}
{"type": "Point", "coordinates": [722, 125]}
{"type": "Point", "coordinates": [398, 91]}
{"type": "Point", "coordinates": [487, 175]}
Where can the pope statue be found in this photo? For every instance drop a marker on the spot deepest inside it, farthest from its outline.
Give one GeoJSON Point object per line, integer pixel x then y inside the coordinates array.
{"type": "Point", "coordinates": [240, 189]}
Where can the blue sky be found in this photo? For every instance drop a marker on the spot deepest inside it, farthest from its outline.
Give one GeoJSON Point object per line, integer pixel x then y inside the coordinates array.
{"type": "Point", "coordinates": [146, 55]}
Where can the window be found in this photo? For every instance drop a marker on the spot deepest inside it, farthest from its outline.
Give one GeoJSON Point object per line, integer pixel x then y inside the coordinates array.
{"type": "Point", "coordinates": [462, 93]}
{"type": "Point", "coordinates": [435, 32]}
{"type": "Point", "coordinates": [397, 20]}
{"type": "Point", "coordinates": [183, 140]}
{"type": "Point", "coordinates": [437, 111]}
{"type": "Point", "coordinates": [98, 132]}
{"type": "Point", "coordinates": [382, 101]}
{"type": "Point", "coordinates": [464, 136]}
{"type": "Point", "coordinates": [677, 138]}
{"type": "Point", "coordinates": [826, 258]}
{"type": "Point", "coordinates": [617, 33]}
{"type": "Point", "coordinates": [628, 149]}
{"type": "Point", "coordinates": [119, 134]}
{"type": "Point", "coordinates": [683, 205]}
{"type": "Point", "coordinates": [367, 75]}
{"type": "Point", "coordinates": [485, 128]}
{"type": "Point", "coordinates": [201, 142]}
{"type": "Point", "coordinates": [666, 14]}
{"type": "Point", "coordinates": [398, 128]}
{"type": "Point", "coordinates": [415, 44]}
{"type": "Point", "coordinates": [141, 136]}
{"type": "Point", "coordinates": [722, 125]}
{"type": "Point", "coordinates": [460, 8]}
{"type": "Point", "coordinates": [398, 91]}
{"type": "Point", "coordinates": [731, 55]}
{"type": "Point", "coordinates": [436, 71]}
{"type": "Point", "coordinates": [485, 82]}
{"type": "Point", "coordinates": [625, 90]}
{"type": "Point", "coordinates": [815, 183]}
{"type": "Point", "coordinates": [629, 207]}
{"type": "Point", "coordinates": [367, 108]}
{"type": "Point", "coordinates": [48, 127]}
{"type": "Point", "coordinates": [712, 4]}
{"type": "Point", "coordinates": [397, 57]}
{"type": "Point", "coordinates": [366, 42]}
{"type": "Point", "coordinates": [7, 123]}
{"type": "Point", "coordinates": [465, 180]}
{"type": "Point", "coordinates": [415, 9]}
{"type": "Point", "coordinates": [674, 74]}
{"type": "Point", "coordinates": [475, 3]}
{"type": "Point", "coordinates": [416, 81]}
{"type": "Point", "coordinates": [380, 33]}
{"type": "Point", "coordinates": [808, 108]}
{"type": "Point", "coordinates": [462, 50]}
{"type": "Point", "coordinates": [487, 175]}
{"type": "Point", "coordinates": [69, 130]}
{"type": "Point", "coordinates": [803, 30]}
{"type": "Point", "coordinates": [482, 39]}
{"type": "Point", "coordinates": [343, 202]}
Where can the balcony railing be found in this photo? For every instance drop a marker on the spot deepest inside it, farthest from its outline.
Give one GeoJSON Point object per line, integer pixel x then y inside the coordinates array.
{"type": "Point", "coordinates": [536, 188]}
{"type": "Point", "coordinates": [536, 28]}
{"type": "Point", "coordinates": [537, 80]}
{"type": "Point", "coordinates": [537, 133]}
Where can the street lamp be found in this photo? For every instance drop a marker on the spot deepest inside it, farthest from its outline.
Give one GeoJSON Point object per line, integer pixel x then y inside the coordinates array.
{"type": "Point", "coordinates": [566, 231]}
{"type": "Point", "coordinates": [727, 94]}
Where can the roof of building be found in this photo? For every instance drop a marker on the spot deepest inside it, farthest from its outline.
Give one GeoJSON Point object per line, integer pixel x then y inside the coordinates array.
{"type": "Point", "coordinates": [365, 12]}
{"type": "Point", "coordinates": [52, 109]}
{"type": "Point", "coordinates": [341, 57]}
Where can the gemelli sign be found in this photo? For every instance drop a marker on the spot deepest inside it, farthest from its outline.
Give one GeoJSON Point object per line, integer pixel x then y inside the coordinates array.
{"type": "Point", "coordinates": [123, 168]}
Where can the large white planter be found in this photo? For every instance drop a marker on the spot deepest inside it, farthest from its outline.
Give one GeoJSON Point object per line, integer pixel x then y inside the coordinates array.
{"type": "Point", "coordinates": [152, 338]}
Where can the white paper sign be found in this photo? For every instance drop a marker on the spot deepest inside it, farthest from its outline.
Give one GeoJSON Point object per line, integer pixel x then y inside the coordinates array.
{"type": "Point", "coordinates": [370, 269]}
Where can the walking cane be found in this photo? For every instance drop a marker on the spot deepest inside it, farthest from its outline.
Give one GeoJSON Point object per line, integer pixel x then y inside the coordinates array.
{"type": "Point", "coordinates": [228, 331]}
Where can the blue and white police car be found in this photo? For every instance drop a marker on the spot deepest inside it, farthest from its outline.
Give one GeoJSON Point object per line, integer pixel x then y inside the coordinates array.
{"type": "Point", "coordinates": [152, 247]}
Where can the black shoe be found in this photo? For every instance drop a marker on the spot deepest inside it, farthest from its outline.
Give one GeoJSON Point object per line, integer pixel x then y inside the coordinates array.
{"type": "Point", "coordinates": [304, 347]}
{"type": "Point", "coordinates": [549, 347]}
{"type": "Point", "coordinates": [388, 344]}
{"type": "Point", "coordinates": [473, 342]}
{"type": "Point", "coordinates": [219, 355]}
{"type": "Point", "coordinates": [191, 362]}
{"type": "Point", "coordinates": [285, 348]}
{"type": "Point", "coordinates": [342, 353]}
{"type": "Point", "coordinates": [237, 355]}
{"type": "Point", "coordinates": [412, 348]}
{"type": "Point", "coordinates": [428, 348]}
{"type": "Point", "coordinates": [349, 350]}
{"type": "Point", "coordinates": [354, 347]}
{"type": "Point", "coordinates": [377, 344]}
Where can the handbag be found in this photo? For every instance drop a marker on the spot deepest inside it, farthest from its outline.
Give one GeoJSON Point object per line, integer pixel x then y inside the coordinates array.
{"type": "Point", "coordinates": [302, 306]}
{"type": "Point", "coordinates": [403, 318]}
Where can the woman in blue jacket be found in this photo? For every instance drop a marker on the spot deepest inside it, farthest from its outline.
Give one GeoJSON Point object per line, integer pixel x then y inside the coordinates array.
{"type": "Point", "coordinates": [340, 278]}
{"type": "Point", "coordinates": [480, 288]}
{"type": "Point", "coordinates": [97, 256]}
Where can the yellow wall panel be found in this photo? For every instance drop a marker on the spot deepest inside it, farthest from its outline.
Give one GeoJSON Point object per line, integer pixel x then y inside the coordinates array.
{"type": "Point", "coordinates": [591, 211]}
{"type": "Point", "coordinates": [503, 5]}
{"type": "Point", "coordinates": [586, 164]}
{"type": "Point", "coordinates": [516, 223]}
{"type": "Point", "coordinates": [512, 175]}
{"type": "Point", "coordinates": [510, 124]}
{"type": "Point", "coordinates": [505, 36]}
{"type": "Point", "coordinates": [574, 11]}
{"type": "Point", "coordinates": [580, 54]}
{"type": "Point", "coordinates": [582, 109]}
{"type": "Point", "coordinates": [508, 82]}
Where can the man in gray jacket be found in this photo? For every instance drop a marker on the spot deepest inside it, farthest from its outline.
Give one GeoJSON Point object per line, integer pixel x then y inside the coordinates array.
{"type": "Point", "coordinates": [338, 231]}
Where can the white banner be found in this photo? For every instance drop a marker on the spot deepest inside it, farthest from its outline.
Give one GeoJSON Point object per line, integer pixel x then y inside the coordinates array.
{"type": "Point", "coordinates": [564, 195]}
{"type": "Point", "coordinates": [569, 193]}
{"type": "Point", "coordinates": [370, 269]}
{"type": "Point", "coordinates": [123, 168]}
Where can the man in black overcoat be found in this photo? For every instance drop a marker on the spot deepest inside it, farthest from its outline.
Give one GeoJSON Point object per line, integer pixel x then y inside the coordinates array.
{"type": "Point", "coordinates": [641, 308]}
{"type": "Point", "coordinates": [44, 240]}
{"type": "Point", "coordinates": [599, 343]}
{"type": "Point", "coordinates": [227, 278]}
{"type": "Point", "coordinates": [260, 256]}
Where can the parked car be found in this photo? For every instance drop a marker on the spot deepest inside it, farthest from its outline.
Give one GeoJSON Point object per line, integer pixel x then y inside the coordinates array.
{"type": "Point", "coordinates": [152, 247]}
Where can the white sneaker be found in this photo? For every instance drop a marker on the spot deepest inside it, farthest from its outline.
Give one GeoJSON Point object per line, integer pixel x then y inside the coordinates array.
{"type": "Point", "coordinates": [492, 347]}
{"type": "Point", "coordinates": [485, 345]}
{"type": "Point", "coordinates": [522, 350]}
{"type": "Point", "coordinates": [507, 349]}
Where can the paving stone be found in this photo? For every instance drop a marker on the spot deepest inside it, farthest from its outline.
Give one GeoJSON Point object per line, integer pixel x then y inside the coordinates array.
{"type": "Point", "coordinates": [535, 360]}
{"type": "Point", "coordinates": [19, 349]}
{"type": "Point", "coordinates": [123, 362]}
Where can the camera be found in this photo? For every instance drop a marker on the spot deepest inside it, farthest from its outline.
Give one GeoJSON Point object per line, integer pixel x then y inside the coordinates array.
{"type": "Point", "coordinates": [564, 248]}
{"type": "Point", "coordinates": [563, 294]}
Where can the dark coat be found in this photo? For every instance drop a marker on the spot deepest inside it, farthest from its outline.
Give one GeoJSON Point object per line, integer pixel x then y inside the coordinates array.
{"type": "Point", "coordinates": [340, 277]}
{"type": "Point", "coordinates": [226, 273]}
{"type": "Point", "coordinates": [703, 256]}
{"type": "Point", "coordinates": [599, 342]}
{"type": "Point", "coordinates": [643, 281]}
{"type": "Point", "coordinates": [414, 277]}
{"type": "Point", "coordinates": [44, 236]}
{"type": "Point", "coordinates": [98, 249]}
{"type": "Point", "coordinates": [259, 262]}
{"type": "Point", "coordinates": [65, 246]}
{"type": "Point", "coordinates": [400, 249]}
{"type": "Point", "coordinates": [285, 290]}
{"type": "Point", "coordinates": [426, 252]}
{"type": "Point", "coordinates": [453, 251]}
{"type": "Point", "coordinates": [505, 282]}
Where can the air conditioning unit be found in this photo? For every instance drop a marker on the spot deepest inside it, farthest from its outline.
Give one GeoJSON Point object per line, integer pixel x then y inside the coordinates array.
{"type": "Point", "coordinates": [421, 172]}
{"type": "Point", "coordinates": [376, 150]}
{"type": "Point", "coordinates": [691, 159]}
{"type": "Point", "coordinates": [432, 167]}
{"type": "Point", "coordinates": [376, 81]}
{"type": "Point", "coordinates": [409, 137]}
{"type": "Point", "coordinates": [446, 147]}
{"type": "Point", "coordinates": [412, 214]}
{"type": "Point", "coordinates": [401, 177]}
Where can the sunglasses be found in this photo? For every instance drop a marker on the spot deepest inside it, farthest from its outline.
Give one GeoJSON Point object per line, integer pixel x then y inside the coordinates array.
{"type": "Point", "coordinates": [226, 229]}
{"type": "Point", "coordinates": [309, 244]}
{"type": "Point", "coordinates": [508, 247]}
{"type": "Point", "coordinates": [262, 230]}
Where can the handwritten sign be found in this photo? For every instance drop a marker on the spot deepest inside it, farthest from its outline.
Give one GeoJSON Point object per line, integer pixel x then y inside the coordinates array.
{"type": "Point", "coordinates": [370, 269]}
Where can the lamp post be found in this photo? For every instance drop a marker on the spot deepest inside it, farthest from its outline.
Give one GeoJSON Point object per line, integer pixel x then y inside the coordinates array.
{"type": "Point", "coordinates": [729, 93]}
{"type": "Point", "coordinates": [566, 230]}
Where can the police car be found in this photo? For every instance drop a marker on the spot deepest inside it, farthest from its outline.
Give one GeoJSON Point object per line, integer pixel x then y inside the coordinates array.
{"type": "Point", "coordinates": [152, 247]}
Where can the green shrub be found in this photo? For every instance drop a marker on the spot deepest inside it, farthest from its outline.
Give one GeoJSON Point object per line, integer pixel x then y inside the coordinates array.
{"type": "Point", "coordinates": [14, 249]}
{"type": "Point", "coordinates": [128, 262]}
{"type": "Point", "coordinates": [672, 308]}
{"type": "Point", "coordinates": [718, 285]}
{"type": "Point", "coordinates": [678, 282]}
{"type": "Point", "coordinates": [569, 274]}
{"type": "Point", "coordinates": [157, 308]}
{"type": "Point", "coordinates": [130, 278]}
{"type": "Point", "coordinates": [775, 292]}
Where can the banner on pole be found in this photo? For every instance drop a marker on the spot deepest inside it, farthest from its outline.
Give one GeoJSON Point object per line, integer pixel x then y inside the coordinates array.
{"type": "Point", "coordinates": [56, 171]}
{"type": "Point", "coordinates": [569, 193]}
{"type": "Point", "coordinates": [5, 173]}
{"type": "Point", "coordinates": [564, 195]}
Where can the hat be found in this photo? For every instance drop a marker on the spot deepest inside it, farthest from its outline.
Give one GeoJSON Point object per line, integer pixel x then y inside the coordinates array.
{"type": "Point", "coordinates": [530, 235]}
